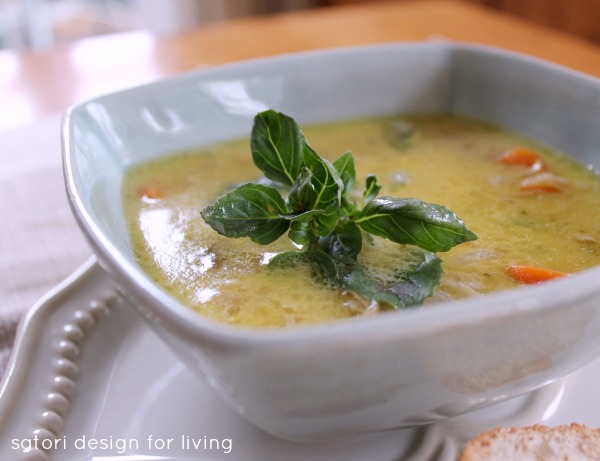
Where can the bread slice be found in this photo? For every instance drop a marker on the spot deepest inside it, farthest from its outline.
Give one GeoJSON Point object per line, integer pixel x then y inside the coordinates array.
{"type": "Point", "coordinates": [573, 442]}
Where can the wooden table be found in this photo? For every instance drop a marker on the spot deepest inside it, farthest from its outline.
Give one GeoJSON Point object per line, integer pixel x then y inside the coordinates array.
{"type": "Point", "coordinates": [36, 85]}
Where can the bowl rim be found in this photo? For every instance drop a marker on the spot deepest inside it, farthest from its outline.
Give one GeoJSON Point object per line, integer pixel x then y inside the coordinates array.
{"type": "Point", "coordinates": [406, 323]}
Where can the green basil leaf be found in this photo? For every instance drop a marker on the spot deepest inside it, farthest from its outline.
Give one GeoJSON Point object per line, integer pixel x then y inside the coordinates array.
{"type": "Point", "coordinates": [371, 189]}
{"type": "Point", "coordinates": [320, 215]}
{"type": "Point", "coordinates": [325, 191]}
{"type": "Point", "coordinates": [344, 244]}
{"type": "Point", "coordinates": [287, 260]}
{"type": "Point", "coordinates": [301, 196]}
{"type": "Point", "coordinates": [411, 221]}
{"type": "Point", "coordinates": [348, 208]}
{"type": "Point", "coordinates": [251, 210]}
{"type": "Point", "coordinates": [331, 270]}
{"type": "Point", "coordinates": [345, 168]}
{"type": "Point", "coordinates": [302, 217]}
{"type": "Point", "coordinates": [405, 289]}
{"type": "Point", "coordinates": [300, 233]}
{"type": "Point", "coordinates": [277, 142]}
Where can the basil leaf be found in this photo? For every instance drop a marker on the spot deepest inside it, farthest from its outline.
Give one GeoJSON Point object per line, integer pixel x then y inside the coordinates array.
{"type": "Point", "coordinates": [331, 270]}
{"type": "Point", "coordinates": [344, 244]}
{"type": "Point", "coordinates": [302, 192]}
{"type": "Point", "coordinates": [320, 215]}
{"type": "Point", "coordinates": [251, 210]}
{"type": "Point", "coordinates": [302, 217]}
{"type": "Point", "coordinates": [371, 189]}
{"type": "Point", "coordinates": [345, 168]}
{"type": "Point", "coordinates": [300, 233]}
{"type": "Point", "coordinates": [302, 198]}
{"type": "Point", "coordinates": [409, 288]}
{"type": "Point", "coordinates": [276, 143]}
{"type": "Point", "coordinates": [287, 260]}
{"type": "Point", "coordinates": [325, 191]}
{"type": "Point", "coordinates": [411, 221]}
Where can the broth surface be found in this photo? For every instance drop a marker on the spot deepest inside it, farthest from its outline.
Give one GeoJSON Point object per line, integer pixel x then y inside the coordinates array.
{"type": "Point", "coordinates": [443, 159]}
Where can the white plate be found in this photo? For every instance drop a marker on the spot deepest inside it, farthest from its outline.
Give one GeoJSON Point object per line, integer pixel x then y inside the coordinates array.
{"type": "Point", "coordinates": [87, 370]}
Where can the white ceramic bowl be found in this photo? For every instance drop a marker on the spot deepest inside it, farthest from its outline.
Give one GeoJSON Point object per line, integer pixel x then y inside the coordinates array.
{"type": "Point", "coordinates": [411, 367]}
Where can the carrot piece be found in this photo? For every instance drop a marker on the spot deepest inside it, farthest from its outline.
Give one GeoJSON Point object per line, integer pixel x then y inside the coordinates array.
{"type": "Point", "coordinates": [152, 193]}
{"type": "Point", "coordinates": [543, 182]}
{"type": "Point", "coordinates": [523, 157]}
{"type": "Point", "coordinates": [531, 274]}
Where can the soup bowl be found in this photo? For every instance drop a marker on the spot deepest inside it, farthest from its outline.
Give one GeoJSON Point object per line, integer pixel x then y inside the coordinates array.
{"type": "Point", "coordinates": [400, 369]}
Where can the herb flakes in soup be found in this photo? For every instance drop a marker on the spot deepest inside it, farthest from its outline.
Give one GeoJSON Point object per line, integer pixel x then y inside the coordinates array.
{"type": "Point", "coordinates": [358, 243]}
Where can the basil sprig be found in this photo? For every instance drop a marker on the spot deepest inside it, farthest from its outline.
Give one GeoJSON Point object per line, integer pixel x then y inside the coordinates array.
{"type": "Point", "coordinates": [320, 215]}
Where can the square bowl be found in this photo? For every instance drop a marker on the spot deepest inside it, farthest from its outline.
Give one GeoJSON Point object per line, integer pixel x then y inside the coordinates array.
{"type": "Point", "coordinates": [361, 375]}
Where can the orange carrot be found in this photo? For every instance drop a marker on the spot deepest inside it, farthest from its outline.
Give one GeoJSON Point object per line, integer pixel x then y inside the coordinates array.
{"type": "Point", "coordinates": [523, 157]}
{"type": "Point", "coordinates": [152, 193]}
{"type": "Point", "coordinates": [543, 182]}
{"type": "Point", "coordinates": [531, 274]}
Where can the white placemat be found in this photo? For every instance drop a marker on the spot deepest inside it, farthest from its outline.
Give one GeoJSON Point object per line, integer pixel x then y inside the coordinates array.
{"type": "Point", "coordinates": [40, 242]}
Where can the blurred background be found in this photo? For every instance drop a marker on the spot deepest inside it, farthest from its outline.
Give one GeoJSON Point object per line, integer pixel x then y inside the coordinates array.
{"type": "Point", "coordinates": [40, 24]}
{"type": "Point", "coordinates": [43, 24]}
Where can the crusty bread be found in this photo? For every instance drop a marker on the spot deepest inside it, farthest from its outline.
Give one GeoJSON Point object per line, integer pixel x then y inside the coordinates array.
{"type": "Point", "coordinates": [535, 443]}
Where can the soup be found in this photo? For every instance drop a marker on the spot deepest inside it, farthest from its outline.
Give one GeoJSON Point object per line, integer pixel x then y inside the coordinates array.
{"type": "Point", "coordinates": [530, 206]}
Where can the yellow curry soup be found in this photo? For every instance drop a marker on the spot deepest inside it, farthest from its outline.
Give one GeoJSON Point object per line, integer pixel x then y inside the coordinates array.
{"type": "Point", "coordinates": [529, 205]}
